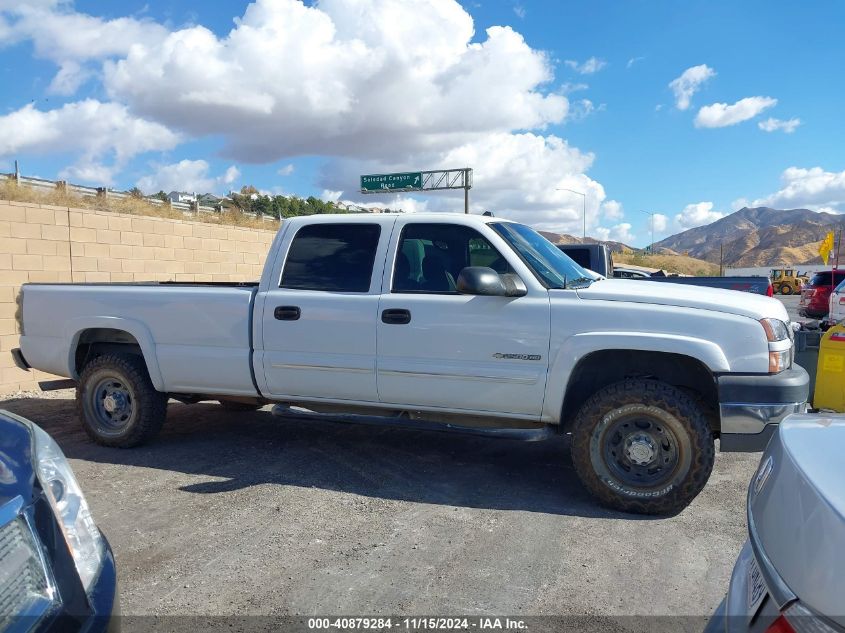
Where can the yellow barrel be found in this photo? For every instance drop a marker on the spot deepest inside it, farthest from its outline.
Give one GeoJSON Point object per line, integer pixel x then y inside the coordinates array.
{"type": "Point", "coordinates": [830, 372]}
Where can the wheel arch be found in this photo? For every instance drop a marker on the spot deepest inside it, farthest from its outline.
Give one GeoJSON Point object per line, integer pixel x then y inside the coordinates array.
{"type": "Point", "coordinates": [91, 336]}
{"type": "Point", "coordinates": [601, 368]}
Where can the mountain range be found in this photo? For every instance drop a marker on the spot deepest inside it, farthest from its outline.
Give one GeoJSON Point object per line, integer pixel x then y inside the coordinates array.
{"type": "Point", "coordinates": [758, 236]}
{"type": "Point", "coordinates": [750, 237]}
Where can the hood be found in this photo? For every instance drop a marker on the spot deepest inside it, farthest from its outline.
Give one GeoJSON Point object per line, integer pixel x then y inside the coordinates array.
{"type": "Point", "coordinates": [686, 296]}
{"type": "Point", "coordinates": [798, 510]}
{"type": "Point", "coordinates": [16, 473]}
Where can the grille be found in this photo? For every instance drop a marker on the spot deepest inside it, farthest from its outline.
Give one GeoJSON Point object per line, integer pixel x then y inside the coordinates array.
{"type": "Point", "coordinates": [24, 590]}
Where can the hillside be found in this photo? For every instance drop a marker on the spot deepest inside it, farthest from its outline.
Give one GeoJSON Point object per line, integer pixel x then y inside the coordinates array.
{"type": "Point", "coordinates": [758, 236]}
{"type": "Point", "coordinates": [666, 259]}
{"type": "Point", "coordinates": [670, 263]}
{"type": "Point", "coordinates": [565, 238]}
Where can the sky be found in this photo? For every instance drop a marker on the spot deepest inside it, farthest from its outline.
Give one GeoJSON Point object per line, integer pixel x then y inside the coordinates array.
{"type": "Point", "coordinates": [665, 115]}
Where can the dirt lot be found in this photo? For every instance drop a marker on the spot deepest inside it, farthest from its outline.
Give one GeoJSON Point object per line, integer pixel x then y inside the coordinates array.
{"type": "Point", "coordinates": [245, 513]}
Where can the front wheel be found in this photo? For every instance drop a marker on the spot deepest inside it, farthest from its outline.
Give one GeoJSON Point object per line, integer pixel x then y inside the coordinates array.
{"type": "Point", "coordinates": [643, 446]}
{"type": "Point", "coordinates": [786, 289]}
{"type": "Point", "coordinates": [117, 403]}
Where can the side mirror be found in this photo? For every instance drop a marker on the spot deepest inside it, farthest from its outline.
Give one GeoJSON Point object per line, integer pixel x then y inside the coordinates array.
{"type": "Point", "coordinates": [480, 280]}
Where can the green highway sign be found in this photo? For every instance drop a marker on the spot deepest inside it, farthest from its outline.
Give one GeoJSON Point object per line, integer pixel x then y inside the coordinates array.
{"type": "Point", "coordinates": [381, 183]}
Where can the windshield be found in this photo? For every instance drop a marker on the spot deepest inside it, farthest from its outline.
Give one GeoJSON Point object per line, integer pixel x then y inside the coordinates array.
{"type": "Point", "coordinates": [551, 266]}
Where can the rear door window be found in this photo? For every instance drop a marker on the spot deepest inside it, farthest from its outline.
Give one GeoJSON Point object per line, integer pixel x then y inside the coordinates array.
{"type": "Point", "coordinates": [332, 257]}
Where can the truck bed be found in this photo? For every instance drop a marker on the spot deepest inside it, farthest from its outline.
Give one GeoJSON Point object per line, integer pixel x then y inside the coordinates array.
{"type": "Point", "coordinates": [198, 335]}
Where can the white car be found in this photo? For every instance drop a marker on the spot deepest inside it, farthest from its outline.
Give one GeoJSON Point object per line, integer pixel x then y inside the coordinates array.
{"type": "Point", "coordinates": [466, 321]}
{"type": "Point", "coordinates": [836, 313]}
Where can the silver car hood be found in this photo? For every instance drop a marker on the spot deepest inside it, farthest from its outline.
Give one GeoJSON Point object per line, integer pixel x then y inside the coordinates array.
{"type": "Point", "coordinates": [798, 510]}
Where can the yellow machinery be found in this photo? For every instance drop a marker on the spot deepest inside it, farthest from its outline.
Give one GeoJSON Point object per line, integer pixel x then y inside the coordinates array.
{"type": "Point", "coordinates": [829, 392]}
{"type": "Point", "coordinates": [785, 281]}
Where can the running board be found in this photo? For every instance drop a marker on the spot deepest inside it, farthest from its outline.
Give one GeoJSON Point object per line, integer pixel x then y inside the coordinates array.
{"type": "Point", "coordinates": [53, 385]}
{"type": "Point", "coordinates": [526, 435]}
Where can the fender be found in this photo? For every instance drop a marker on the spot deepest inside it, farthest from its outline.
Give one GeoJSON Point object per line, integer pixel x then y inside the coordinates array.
{"type": "Point", "coordinates": [576, 347]}
{"type": "Point", "coordinates": [75, 327]}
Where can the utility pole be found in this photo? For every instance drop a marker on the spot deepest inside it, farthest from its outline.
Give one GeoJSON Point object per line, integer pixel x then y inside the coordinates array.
{"type": "Point", "coordinates": [651, 216]}
{"type": "Point", "coordinates": [584, 205]}
{"type": "Point", "coordinates": [721, 261]}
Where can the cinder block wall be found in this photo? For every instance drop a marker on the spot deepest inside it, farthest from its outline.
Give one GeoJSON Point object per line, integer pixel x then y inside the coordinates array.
{"type": "Point", "coordinates": [42, 243]}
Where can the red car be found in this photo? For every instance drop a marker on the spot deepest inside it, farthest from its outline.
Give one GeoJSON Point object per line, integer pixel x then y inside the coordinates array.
{"type": "Point", "coordinates": [815, 296]}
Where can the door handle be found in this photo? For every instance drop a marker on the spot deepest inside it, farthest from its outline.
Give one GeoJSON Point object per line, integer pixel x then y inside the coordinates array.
{"type": "Point", "coordinates": [287, 313]}
{"type": "Point", "coordinates": [396, 316]}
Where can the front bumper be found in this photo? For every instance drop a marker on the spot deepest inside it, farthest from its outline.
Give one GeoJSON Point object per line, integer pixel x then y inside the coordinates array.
{"type": "Point", "coordinates": [751, 406]}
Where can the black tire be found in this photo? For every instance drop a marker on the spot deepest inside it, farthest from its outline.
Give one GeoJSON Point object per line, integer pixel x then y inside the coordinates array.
{"type": "Point", "coordinates": [785, 289]}
{"type": "Point", "coordinates": [646, 420]}
{"type": "Point", "coordinates": [230, 405]}
{"type": "Point", "coordinates": [136, 410]}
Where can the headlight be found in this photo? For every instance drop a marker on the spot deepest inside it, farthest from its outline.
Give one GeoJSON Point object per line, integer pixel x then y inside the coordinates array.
{"type": "Point", "coordinates": [776, 330]}
{"type": "Point", "coordinates": [62, 490]}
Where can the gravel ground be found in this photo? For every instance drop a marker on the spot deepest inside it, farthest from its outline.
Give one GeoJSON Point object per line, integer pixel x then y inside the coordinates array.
{"type": "Point", "coordinates": [249, 514]}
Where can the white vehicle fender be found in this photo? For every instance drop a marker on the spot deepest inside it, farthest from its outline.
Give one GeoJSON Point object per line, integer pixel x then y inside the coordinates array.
{"type": "Point", "coordinates": [75, 327]}
{"type": "Point", "coordinates": [577, 347]}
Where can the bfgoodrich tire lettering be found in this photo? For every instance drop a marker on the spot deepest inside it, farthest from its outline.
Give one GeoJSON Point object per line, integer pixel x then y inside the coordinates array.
{"type": "Point", "coordinates": [117, 403]}
{"type": "Point", "coordinates": [643, 446]}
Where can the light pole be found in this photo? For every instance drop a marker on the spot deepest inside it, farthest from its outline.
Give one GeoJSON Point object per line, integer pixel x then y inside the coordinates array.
{"type": "Point", "coordinates": [584, 197]}
{"type": "Point", "coordinates": [651, 214]}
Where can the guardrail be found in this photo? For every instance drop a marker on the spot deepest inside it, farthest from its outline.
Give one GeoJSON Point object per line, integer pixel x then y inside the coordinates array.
{"type": "Point", "coordinates": [187, 208]}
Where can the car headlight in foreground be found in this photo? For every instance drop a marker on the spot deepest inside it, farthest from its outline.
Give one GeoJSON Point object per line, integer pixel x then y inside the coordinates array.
{"type": "Point", "coordinates": [62, 491]}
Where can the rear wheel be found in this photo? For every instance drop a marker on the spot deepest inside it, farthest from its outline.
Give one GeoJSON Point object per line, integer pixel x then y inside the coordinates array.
{"type": "Point", "coordinates": [643, 446]}
{"type": "Point", "coordinates": [117, 403]}
{"type": "Point", "coordinates": [785, 289]}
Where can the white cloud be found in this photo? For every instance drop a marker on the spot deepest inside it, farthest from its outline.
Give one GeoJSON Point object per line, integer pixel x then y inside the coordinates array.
{"type": "Point", "coordinates": [583, 108]}
{"type": "Point", "coordinates": [96, 130]}
{"type": "Point", "coordinates": [570, 87]}
{"type": "Point", "coordinates": [590, 66]}
{"type": "Point", "coordinates": [70, 77]}
{"type": "Point", "coordinates": [287, 170]}
{"type": "Point", "coordinates": [772, 125]}
{"type": "Point", "coordinates": [231, 174]}
{"type": "Point", "coordinates": [187, 175]}
{"type": "Point", "coordinates": [812, 188]}
{"type": "Point", "coordinates": [332, 196]}
{"type": "Point", "coordinates": [355, 82]}
{"type": "Point", "coordinates": [612, 210]}
{"type": "Point", "coordinates": [723, 115]}
{"type": "Point", "coordinates": [619, 233]}
{"type": "Point", "coordinates": [88, 172]}
{"type": "Point", "coordinates": [660, 222]}
{"type": "Point", "coordinates": [690, 81]}
{"type": "Point", "coordinates": [697, 214]}
{"type": "Point", "coordinates": [519, 10]}
{"type": "Point", "coordinates": [633, 61]}
{"type": "Point", "coordinates": [365, 75]}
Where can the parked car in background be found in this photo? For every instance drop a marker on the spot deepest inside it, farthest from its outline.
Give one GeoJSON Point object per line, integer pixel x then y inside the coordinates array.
{"type": "Point", "coordinates": [788, 577]}
{"type": "Point", "coordinates": [473, 323]}
{"type": "Point", "coordinates": [621, 272]}
{"type": "Point", "coordinates": [754, 285]}
{"type": "Point", "coordinates": [815, 296]}
{"type": "Point", "coordinates": [836, 307]}
{"type": "Point", "coordinates": [595, 257]}
{"type": "Point", "coordinates": [57, 571]}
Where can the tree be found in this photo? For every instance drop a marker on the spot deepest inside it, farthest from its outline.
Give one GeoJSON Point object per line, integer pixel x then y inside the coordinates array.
{"type": "Point", "coordinates": [161, 196]}
{"type": "Point", "coordinates": [136, 193]}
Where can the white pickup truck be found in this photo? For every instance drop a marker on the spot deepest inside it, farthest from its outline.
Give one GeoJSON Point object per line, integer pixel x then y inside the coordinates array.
{"type": "Point", "coordinates": [452, 321]}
